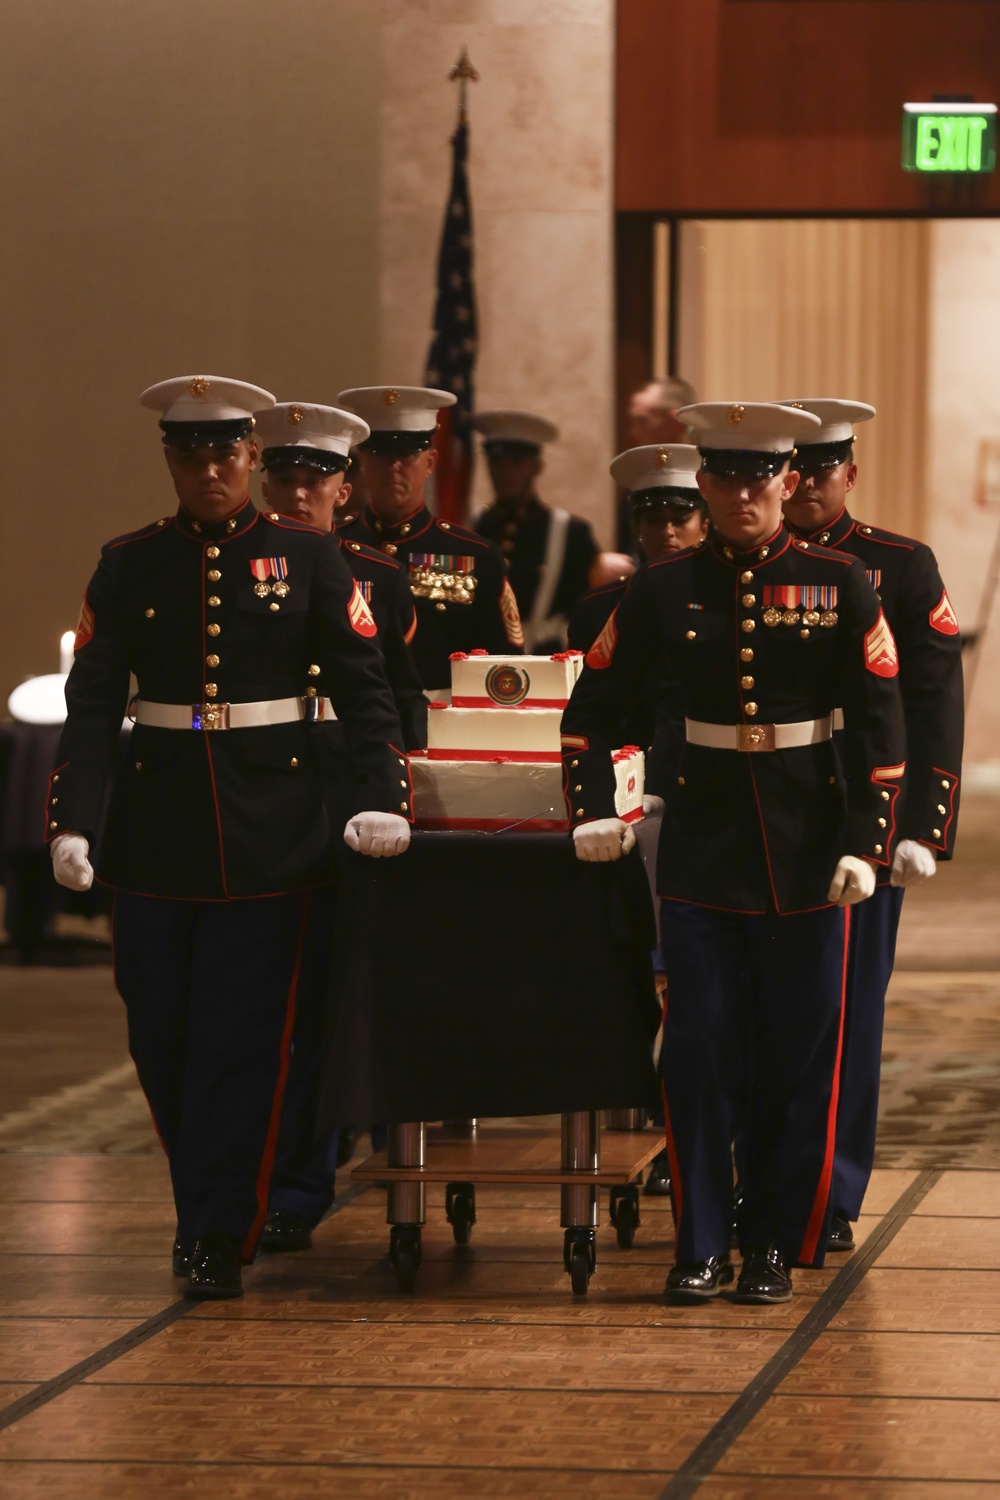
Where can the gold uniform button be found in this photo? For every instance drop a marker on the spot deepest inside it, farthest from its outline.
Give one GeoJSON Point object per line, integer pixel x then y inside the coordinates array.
{"type": "Point", "coordinates": [402, 762]}
{"type": "Point", "coordinates": [941, 808]}
{"type": "Point", "coordinates": [56, 777]}
{"type": "Point", "coordinates": [162, 521]}
{"type": "Point", "coordinates": [230, 525]}
{"type": "Point", "coordinates": [404, 807]}
{"type": "Point", "coordinates": [728, 552]}
{"type": "Point", "coordinates": [355, 546]}
{"type": "Point", "coordinates": [214, 629]}
{"type": "Point", "coordinates": [936, 832]}
{"type": "Point", "coordinates": [211, 661]}
{"type": "Point", "coordinates": [440, 606]}
{"type": "Point", "coordinates": [746, 654]}
{"type": "Point", "coordinates": [150, 613]}
{"type": "Point", "coordinates": [748, 601]}
{"type": "Point", "coordinates": [885, 796]}
{"type": "Point", "coordinates": [866, 530]}
{"type": "Point", "coordinates": [405, 530]}
{"type": "Point", "coordinates": [211, 551]}
{"type": "Point", "coordinates": [825, 537]}
{"type": "Point", "coordinates": [574, 764]}
{"type": "Point", "coordinates": [878, 848]}
{"type": "Point", "coordinates": [214, 575]}
{"type": "Point", "coordinates": [749, 625]}
{"type": "Point", "coordinates": [746, 577]}
{"type": "Point", "coordinates": [211, 688]}
{"type": "Point", "coordinates": [294, 761]}
{"type": "Point", "coordinates": [138, 765]}
{"type": "Point", "coordinates": [578, 787]}
{"type": "Point", "coordinates": [310, 692]}
{"type": "Point", "coordinates": [751, 709]}
{"type": "Point", "coordinates": [746, 683]}
{"type": "Point", "coordinates": [314, 670]}
{"type": "Point", "coordinates": [404, 784]}
{"type": "Point", "coordinates": [445, 525]}
{"type": "Point", "coordinates": [681, 781]}
{"type": "Point", "coordinates": [55, 800]}
{"type": "Point", "coordinates": [804, 634]}
{"type": "Point", "coordinates": [691, 634]}
{"type": "Point", "coordinates": [390, 549]}
{"type": "Point", "coordinates": [273, 516]}
{"type": "Point", "coordinates": [881, 822]}
{"type": "Point", "coordinates": [945, 784]}
{"type": "Point", "coordinates": [274, 608]}
{"type": "Point", "coordinates": [833, 780]}
{"type": "Point", "coordinates": [214, 601]}
{"type": "Point", "coordinates": [53, 825]}
{"type": "Point", "coordinates": [579, 813]}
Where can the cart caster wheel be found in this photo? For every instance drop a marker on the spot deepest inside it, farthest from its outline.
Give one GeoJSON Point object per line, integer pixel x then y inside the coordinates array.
{"type": "Point", "coordinates": [405, 1254]}
{"type": "Point", "coordinates": [579, 1270]}
{"type": "Point", "coordinates": [625, 1214]}
{"type": "Point", "coordinates": [460, 1209]}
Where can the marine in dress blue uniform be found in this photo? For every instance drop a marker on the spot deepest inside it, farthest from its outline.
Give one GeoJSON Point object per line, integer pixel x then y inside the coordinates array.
{"type": "Point", "coordinates": [241, 628]}
{"type": "Point", "coordinates": [549, 553]}
{"type": "Point", "coordinates": [906, 577]}
{"type": "Point", "coordinates": [463, 597]}
{"type": "Point", "coordinates": [767, 836]}
{"type": "Point", "coordinates": [305, 458]}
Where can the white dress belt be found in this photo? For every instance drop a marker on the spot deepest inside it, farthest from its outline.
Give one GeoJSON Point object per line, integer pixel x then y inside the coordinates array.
{"type": "Point", "coordinates": [759, 736]}
{"type": "Point", "coordinates": [230, 715]}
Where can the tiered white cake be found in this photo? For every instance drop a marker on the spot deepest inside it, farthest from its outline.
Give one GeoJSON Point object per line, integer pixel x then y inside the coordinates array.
{"type": "Point", "coordinates": [492, 757]}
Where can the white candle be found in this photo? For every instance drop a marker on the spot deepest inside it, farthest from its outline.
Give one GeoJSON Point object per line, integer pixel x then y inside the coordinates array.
{"type": "Point", "coordinates": [66, 650]}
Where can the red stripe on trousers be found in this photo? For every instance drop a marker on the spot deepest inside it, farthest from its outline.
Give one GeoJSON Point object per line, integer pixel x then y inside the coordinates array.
{"type": "Point", "coordinates": [271, 1140]}
{"type": "Point", "coordinates": [808, 1251]}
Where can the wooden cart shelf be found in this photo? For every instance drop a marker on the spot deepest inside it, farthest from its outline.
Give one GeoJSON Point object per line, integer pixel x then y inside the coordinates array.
{"type": "Point", "coordinates": [517, 1154]}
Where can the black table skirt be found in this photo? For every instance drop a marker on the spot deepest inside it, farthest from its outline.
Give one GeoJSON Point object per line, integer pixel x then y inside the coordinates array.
{"type": "Point", "coordinates": [483, 974]}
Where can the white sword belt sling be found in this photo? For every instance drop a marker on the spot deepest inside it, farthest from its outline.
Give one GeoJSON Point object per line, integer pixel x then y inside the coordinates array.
{"type": "Point", "coordinates": [230, 715]}
{"type": "Point", "coordinates": [759, 736]}
{"type": "Point", "coordinates": [541, 626]}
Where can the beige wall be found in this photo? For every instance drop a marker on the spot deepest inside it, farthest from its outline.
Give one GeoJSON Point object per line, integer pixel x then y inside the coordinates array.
{"type": "Point", "coordinates": [541, 182]}
{"type": "Point", "coordinates": [185, 186]}
{"type": "Point", "coordinates": [963, 410]}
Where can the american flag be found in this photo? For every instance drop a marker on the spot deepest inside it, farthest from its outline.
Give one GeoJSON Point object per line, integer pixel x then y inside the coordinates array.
{"type": "Point", "coordinates": [451, 360]}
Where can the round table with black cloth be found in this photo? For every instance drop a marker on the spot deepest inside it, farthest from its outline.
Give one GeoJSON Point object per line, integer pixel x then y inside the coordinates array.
{"type": "Point", "coordinates": [27, 756]}
{"type": "Point", "coordinates": [490, 974]}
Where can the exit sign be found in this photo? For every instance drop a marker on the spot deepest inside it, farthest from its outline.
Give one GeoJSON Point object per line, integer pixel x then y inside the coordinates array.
{"type": "Point", "coordinates": [949, 137]}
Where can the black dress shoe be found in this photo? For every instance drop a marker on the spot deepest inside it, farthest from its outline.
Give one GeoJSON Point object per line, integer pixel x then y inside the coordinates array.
{"type": "Point", "coordinates": [658, 1182]}
{"type": "Point", "coordinates": [180, 1260]}
{"type": "Point", "coordinates": [765, 1277]}
{"type": "Point", "coordinates": [285, 1231]}
{"type": "Point", "coordinates": [841, 1236]}
{"type": "Point", "coordinates": [215, 1267]}
{"type": "Point", "coordinates": [695, 1280]}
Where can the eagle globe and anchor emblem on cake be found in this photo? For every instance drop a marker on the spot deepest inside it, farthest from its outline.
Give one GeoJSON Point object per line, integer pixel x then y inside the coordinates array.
{"type": "Point", "coordinates": [507, 685]}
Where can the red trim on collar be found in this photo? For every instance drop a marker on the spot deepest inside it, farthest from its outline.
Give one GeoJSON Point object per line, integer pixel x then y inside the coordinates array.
{"type": "Point", "coordinates": [374, 522]}
{"type": "Point", "coordinates": [750, 558]}
{"type": "Point", "coordinates": [217, 532]}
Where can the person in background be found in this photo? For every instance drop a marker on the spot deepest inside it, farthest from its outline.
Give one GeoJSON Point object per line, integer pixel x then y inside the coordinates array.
{"type": "Point", "coordinates": [549, 553]}
{"type": "Point", "coordinates": [464, 600]}
{"type": "Point", "coordinates": [651, 417]}
{"type": "Point", "coordinates": [217, 844]}
{"type": "Point", "coordinates": [669, 516]}
{"type": "Point", "coordinates": [305, 455]}
{"type": "Point", "coordinates": [768, 836]}
{"type": "Point", "coordinates": [905, 575]}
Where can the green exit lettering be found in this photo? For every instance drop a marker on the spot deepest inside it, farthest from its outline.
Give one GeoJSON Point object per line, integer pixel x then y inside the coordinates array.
{"type": "Point", "coordinates": [950, 143]}
{"type": "Point", "coordinates": [943, 141]}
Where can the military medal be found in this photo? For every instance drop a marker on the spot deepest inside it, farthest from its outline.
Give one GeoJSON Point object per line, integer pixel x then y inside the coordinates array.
{"type": "Point", "coordinates": [783, 601]}
{"type": "Point", "coordinates": [772, 616]}
{"type": "Point", "coordinates": [811, 617]}
{"type": "Point", "coordinates": [442, 577]}
{"type": "Point", "coordinates": [264, 568]}
{"type": "Point", "coordinates": [828, 617]}
{"type": "Point", "coordinates": [790, 617]}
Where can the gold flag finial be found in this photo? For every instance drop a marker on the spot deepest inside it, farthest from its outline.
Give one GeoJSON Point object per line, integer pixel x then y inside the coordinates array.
{"type": "Point", "coordinates": [466, 74]}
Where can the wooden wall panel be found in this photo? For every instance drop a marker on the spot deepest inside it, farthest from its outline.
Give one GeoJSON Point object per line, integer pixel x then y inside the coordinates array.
{"type": "Point", "coordinates": [816, 307]}
{"type": "Point", "coordinates": [784, 106]}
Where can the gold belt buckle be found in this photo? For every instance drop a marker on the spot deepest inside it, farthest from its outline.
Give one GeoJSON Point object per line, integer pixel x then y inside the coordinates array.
{"type": "Point", "coordinates": [755, 736]}
{"type": "Point", "coordinates": [210, 716]}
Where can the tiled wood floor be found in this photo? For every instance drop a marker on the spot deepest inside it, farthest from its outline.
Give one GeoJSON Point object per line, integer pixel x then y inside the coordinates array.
{"type": "Point", "coordinates": [881, 1379]}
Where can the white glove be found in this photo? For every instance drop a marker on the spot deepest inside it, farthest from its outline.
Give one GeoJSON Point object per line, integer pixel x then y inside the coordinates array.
{"type": "Point", "coordinates": [651, 806]}
{"type": "Point", "coordinates": [379, 834]}
{"type": "Point", "coordinates": [70, 864]}
{"type": "Point", "coordinates": [603, 839]}
{"type": "Point", "coordinates": [912, 863]}
{"type": "Point", "coordinates": [853, 881]}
